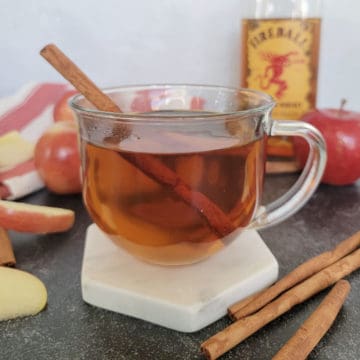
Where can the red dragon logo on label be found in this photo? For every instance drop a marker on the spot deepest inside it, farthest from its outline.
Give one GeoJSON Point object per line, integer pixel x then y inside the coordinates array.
{"type": "Point", "coordinates": [274, 71]}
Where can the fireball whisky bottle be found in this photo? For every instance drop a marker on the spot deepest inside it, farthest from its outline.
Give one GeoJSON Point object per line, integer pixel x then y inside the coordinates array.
{"type": "Point", "coordinates": [280, 55]}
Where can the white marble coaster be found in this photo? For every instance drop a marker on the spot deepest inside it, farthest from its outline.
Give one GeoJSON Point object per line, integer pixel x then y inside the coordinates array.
{"type": "Point", "coordinates": [184, 298]}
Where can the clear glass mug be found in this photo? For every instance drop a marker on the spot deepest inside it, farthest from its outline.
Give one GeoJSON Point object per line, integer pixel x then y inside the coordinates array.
{"type": "Point", "coordinates": [179, 173]}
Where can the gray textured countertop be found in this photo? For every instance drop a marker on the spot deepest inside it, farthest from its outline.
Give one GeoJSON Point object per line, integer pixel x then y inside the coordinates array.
{"type": "Point", "coordinates": [71, 329]}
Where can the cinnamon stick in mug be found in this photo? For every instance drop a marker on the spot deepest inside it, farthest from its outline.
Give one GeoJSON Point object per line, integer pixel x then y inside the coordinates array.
{"type": "Point", "coordinates": [244, 308]}
{"type": "Point", "coordinates": [217, 220]}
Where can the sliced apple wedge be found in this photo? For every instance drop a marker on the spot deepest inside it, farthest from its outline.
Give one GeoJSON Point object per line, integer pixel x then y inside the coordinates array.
{"type": "Point", "coordinates": [40, 219]}
{"type": "Point", "coordinates": [14, 149]}
{"type": "Point", "coordinates": [21, 294]}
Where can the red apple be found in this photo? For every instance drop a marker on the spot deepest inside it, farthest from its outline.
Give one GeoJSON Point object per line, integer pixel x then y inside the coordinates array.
{"type": "Point", "coordinates": [62, 110]}
{"type": "Point", "coordinates": [57, 158]}
{"type": "Point", "coordinates": [341, 131]}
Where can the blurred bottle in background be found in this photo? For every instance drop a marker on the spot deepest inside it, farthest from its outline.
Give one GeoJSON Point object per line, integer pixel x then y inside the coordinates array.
{"type": "Point", "coordinates": [280, 56]}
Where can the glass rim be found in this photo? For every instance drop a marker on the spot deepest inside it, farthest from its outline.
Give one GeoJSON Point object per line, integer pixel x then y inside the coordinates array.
{"type": "Point", "coordinates": [268, 103]}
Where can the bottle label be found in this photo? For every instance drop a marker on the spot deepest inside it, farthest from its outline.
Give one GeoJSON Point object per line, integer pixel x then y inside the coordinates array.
{"type": "Point", "coordinates": [281, 58]}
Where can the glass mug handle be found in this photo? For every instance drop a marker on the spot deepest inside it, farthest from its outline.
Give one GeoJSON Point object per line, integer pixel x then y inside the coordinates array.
{"type": "Point", "coordinates": [305, 186]}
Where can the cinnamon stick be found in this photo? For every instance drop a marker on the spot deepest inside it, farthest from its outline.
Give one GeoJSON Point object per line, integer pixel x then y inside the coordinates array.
{"type": "Point", "coordinates": [234, 334]}
{"type": "Point", "coordinates": [154, 168]}
{"type": "Point", "coordinates": [315, 327]}
{"type": "Point", "coordinates": [217, 220]}
{"type": "Point", "coordinates": [302, 272]}
{"type": "Point", "coordinates": [78, 78]}
{"type": "Point", "coordinates": [7, 257]}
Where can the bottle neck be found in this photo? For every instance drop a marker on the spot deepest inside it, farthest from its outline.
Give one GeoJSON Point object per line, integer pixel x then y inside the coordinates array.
{"type": "Point", "coordinates": [264, 9]}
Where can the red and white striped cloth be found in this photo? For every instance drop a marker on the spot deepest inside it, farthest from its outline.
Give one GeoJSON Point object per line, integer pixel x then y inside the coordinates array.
{"type": "Point", "coordinates": [29, 111]}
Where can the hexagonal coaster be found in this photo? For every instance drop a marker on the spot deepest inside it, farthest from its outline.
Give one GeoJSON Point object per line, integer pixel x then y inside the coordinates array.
{"type": "Point", "coordinates": [184, 298]}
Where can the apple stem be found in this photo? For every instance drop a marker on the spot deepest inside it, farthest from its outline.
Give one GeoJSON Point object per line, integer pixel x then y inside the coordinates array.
{"type": "Point", "coordinates": [342, 105]}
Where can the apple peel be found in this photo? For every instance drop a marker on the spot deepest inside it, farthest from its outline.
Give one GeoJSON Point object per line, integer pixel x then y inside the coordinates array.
{"type": "Point", "coordinates": [21, 294]}
{"type": "Point", "coordinates": [39, 219]}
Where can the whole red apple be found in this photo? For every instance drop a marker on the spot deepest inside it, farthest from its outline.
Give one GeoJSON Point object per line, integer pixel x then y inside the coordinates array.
{"type": "Point", "coordinates": [57, 158]}
{"type": "Point", "coordinates": [341, 131]}
{"type": "Point", "coordinates": [62, 110]}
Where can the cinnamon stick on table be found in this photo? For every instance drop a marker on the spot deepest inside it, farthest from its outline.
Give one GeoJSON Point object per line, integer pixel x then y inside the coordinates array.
{"type": "Point", "coordinates": [315, 327]}
{"type": "Point", "coordinates": [7, 257]}
{"type": "Point", "coordinates": [234, 334]}
{"type": "Point", "coordinates": [217, 220]}
{"type": "Point", "coordinates": [244, 308]}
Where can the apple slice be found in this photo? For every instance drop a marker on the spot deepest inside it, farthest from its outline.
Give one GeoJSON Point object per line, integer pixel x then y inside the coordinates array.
{"type": "Point", "coordinates": [14, 150]}
{"type": "Point", "coordinates": [24, 217]}
{"type": "Point", "coordinates": [21, 294]}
